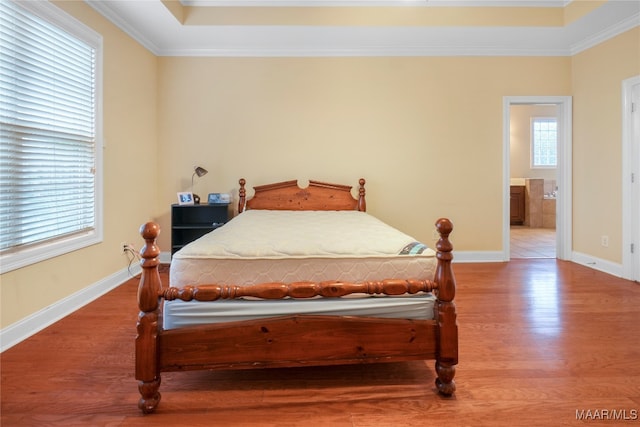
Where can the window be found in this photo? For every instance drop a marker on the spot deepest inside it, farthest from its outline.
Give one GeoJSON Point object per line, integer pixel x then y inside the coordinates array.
{"type": "Point", "coordinates": [50, 134]}
{"type": "Point", "coordinates": [544, 142]}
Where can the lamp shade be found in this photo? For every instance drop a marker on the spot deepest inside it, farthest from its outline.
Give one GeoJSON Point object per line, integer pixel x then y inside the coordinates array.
{"type": "Point", "coordinates": [200, 172]}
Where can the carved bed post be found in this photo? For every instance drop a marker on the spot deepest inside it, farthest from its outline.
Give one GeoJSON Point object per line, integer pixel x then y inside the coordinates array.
{"type": "Point", "coordinates": [445, 312]}
{"type": "Point", "coordinates": [242, 195]}
{"type": "Point", "coordinates": [147, 369]}
{"type": "Point", "coordinates": [362, 203]}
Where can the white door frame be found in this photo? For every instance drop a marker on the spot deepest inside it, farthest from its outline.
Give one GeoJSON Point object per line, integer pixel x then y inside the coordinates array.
{"type": "Point", "coordinates": [630, 179]}
{"type": "Point", "coordinates": [563, 173]}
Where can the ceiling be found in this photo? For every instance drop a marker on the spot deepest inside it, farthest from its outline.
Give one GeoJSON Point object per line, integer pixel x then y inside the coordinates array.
{"type": "Point", "coordinates": [369, 27]}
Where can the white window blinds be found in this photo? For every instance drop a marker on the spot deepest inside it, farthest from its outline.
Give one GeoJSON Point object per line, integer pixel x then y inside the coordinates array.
{"type": "Point", "coordinates": [48, 132]}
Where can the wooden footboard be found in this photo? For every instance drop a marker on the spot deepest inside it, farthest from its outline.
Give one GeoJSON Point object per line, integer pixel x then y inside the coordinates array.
{"type": "Point", "coordinates": [301, 340]}
{"type": "Point", "coordinates": [295, 341]}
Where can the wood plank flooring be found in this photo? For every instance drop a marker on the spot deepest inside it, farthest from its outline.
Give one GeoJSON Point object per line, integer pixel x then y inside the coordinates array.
{"type": "Point", "coordinates": [540, 340]}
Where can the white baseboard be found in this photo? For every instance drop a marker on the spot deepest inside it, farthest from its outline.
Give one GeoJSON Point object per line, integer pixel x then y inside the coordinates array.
{"type": "Point", "coordinates": [477, 256]}
{"type": "Point", "coordinates": [579, 258]}
{"type": "Point", "coordinates": [165, 257]}
{"type": "Point", "coordinates": [597, 264]}
{"type": "Point", "coordinates": [23, 329]}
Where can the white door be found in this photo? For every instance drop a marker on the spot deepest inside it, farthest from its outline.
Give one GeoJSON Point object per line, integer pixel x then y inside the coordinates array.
{"type": "Point", "coordinates": [631, 178]}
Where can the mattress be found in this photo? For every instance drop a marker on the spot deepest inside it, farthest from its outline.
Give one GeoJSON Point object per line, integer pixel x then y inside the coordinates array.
{"type": "Point", "coordinates": [261, 246]}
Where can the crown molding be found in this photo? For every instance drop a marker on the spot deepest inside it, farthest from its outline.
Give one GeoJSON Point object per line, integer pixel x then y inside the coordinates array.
{"type": "Point", "coordinates": [120, 21]}
{"type": "Point", "coordinates": [365, 3]}
{"type": "Point", "coordinates": [606, 34]}
{"type": "Point", "coordinates": [385, 42]}
{"type": "Point", "coordinates": [153, 26]}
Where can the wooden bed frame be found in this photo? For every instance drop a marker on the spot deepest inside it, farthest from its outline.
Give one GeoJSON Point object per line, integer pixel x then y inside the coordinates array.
{"type": "Point", "coordinates": [296, 340]}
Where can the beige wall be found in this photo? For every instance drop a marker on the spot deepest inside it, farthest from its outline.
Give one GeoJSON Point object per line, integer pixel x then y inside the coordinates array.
{"type": "Point", "coordinates": [426, 133]}
{"type": "Point", "coordinates": [129, 173]}
{"type": "Point", "coordinates": [597, 76]}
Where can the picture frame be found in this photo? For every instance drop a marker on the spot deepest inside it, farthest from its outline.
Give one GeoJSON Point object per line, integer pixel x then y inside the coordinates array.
{"type": "Point", "coordinates": [185, 198]}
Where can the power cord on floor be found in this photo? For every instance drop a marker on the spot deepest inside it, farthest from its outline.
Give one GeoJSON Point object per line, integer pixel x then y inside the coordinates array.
{"type": "Point", "coordinates": [132, 255]}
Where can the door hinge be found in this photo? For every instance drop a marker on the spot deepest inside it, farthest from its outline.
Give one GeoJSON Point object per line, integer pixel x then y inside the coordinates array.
{"type": "Point", "coordinates": [633, 246]}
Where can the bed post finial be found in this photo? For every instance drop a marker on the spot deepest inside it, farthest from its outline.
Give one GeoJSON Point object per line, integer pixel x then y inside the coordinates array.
{"type": "Point", "coordinates": [445, 312]}
{"type": "Point", "coordinates": [242, 193]}
{"type": "Point", "coordinates": [147, 370]}
{"type": "Point", "coordinates": [447, 289]}
{"type": "Point", "coordinates": [362, 203]}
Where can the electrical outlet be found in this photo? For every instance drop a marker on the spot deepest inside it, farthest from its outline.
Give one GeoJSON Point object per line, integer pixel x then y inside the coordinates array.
{"type": "Point", "coordinates": [604, 240]}
{"type": "Point", "coordinates": [124, 246]}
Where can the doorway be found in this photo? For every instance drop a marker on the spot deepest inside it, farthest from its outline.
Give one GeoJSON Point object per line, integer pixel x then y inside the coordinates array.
{"type": "Point", "coordinates": [561, 239]}
{"type": "Point", "coordinates": [532, 164]}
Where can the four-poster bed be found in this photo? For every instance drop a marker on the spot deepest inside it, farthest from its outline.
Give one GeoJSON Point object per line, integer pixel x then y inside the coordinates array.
{"type": "Point", "coordinates": [380, 318]}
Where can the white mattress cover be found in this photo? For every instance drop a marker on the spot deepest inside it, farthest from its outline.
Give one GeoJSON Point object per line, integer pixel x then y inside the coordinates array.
{"type": "Point", "coordinates": [260, 246]}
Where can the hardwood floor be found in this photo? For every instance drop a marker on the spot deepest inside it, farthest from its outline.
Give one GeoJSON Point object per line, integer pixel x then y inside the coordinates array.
{"type": "Point", "coordinates": [540, 342]}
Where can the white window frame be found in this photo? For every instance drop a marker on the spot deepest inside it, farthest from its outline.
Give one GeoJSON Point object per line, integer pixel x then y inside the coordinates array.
{"type": "Point", "coordinates": [533, 142]}
{"type": "Point", "coordinates": [31, 254]}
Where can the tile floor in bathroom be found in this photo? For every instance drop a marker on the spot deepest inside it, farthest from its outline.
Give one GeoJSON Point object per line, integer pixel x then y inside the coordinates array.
{"type": "Point", "coordinates": [529, 242]}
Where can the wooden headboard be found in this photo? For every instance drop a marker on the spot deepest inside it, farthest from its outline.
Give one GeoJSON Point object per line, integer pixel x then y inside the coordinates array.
{"type": "Point", "coordinates": [287, 195]}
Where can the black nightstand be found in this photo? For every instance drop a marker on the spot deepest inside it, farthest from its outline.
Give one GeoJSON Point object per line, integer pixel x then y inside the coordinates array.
{"type": "Point", "coordinates": [188, 222]}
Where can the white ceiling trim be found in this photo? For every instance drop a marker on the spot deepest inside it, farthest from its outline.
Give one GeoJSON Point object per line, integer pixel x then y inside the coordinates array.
{"type": "Point", "coordinates": [394, 3]}
{"type": "Point", "coordinates": [341, 42]}
{"type": "Point", "coordinates": [153, 26]}
{"type": "Point", "coordinates": [606, 34]}
{"type": "Point", "coordinates": [125, 24]}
